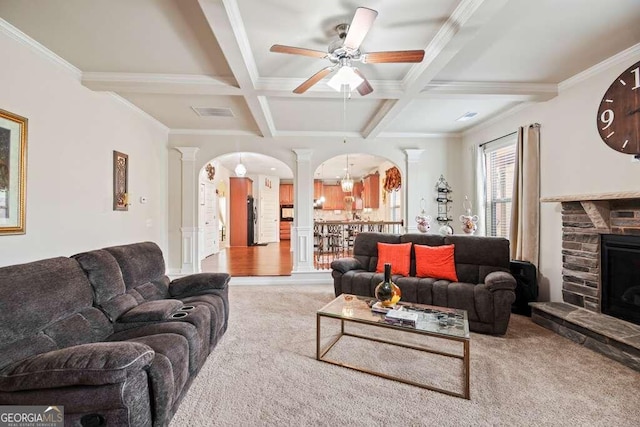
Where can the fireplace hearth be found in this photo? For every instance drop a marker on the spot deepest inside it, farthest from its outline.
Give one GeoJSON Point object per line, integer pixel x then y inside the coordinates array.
{"type": "Point", "coordinates": [600, 275]}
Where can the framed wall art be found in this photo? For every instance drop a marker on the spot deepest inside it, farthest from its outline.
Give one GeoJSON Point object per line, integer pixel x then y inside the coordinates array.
{"type": "Point", "coordinates": [120, 181]}
{"type": "Point", "coordinates": [13, 173]}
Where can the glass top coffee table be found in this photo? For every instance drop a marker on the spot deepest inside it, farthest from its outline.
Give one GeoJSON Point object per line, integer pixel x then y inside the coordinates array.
{"type": "Point", "coordinates": [440, 322]}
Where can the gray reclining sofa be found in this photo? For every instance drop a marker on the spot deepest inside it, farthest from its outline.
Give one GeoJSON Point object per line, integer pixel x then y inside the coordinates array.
{"type": "Point", "coordinates": [485, 287]}
{"type": "Point", "coordinates": [106, 334]}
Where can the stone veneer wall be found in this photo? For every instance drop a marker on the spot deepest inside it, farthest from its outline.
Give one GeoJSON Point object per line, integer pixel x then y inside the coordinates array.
{"type": "Point", "coordinates": [581, 248]}
{"type": "Point", "coordinates": [580, 258]}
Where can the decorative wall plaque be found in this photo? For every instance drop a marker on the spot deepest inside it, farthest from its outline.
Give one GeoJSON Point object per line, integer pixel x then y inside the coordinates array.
{"type": "Point", "coordinates": [120, 181]}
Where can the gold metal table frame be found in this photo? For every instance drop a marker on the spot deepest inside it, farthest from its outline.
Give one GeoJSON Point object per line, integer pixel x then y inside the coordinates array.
{"type": "Point", "coordinates": [352, 316]}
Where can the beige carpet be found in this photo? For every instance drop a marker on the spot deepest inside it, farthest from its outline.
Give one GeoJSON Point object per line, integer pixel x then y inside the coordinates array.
{"type": "Point", "coordinates": [264, 372]}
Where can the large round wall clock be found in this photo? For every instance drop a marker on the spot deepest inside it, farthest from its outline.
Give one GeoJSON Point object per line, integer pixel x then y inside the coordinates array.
{"type": "Point", "coordinates": [619, 113]}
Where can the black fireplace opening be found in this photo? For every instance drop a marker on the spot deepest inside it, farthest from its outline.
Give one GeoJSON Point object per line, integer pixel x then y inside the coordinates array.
{"type": "Point", "coordinates": [621, 277]}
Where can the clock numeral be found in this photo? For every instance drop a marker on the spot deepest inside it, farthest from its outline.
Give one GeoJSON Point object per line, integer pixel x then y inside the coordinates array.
{"type": "Point", "coordinates": [636, 75]}
{"type": "Point", "coordinates": [607, 117]}
{"type": "Point", "coordinates": [625, 144]}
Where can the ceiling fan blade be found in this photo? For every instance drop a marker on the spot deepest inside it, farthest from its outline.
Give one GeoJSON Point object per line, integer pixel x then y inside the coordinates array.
{"type": "Point", "coordinates": [297, 51]}
{"type": "Point", "coordinates": [365, 87]}
{"type": "Point", "coordinates": [313, 80]}
{"type": "Point", "coordinates": [394, 56]}
{"type": "Point", "coordinates": [360, 26]}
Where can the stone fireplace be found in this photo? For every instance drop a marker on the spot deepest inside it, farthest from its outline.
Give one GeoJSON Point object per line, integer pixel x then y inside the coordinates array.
{"type": "Point", "coordinates": [583, 224]}
{"type": "Point", "coordinates": [586, 221]}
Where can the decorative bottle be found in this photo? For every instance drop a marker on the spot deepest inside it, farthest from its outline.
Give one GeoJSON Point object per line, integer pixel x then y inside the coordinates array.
{"type": "Point", "coordinates": [387, 292]}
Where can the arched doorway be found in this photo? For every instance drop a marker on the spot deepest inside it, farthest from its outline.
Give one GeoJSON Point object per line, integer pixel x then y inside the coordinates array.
{"type": "Point", "coordinates": [353, 194]}
{"type": "Point", "coordinates": [240, 211]}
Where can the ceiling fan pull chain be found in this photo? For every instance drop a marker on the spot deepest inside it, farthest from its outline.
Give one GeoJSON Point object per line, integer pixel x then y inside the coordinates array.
{"type": "Point", "coordinates": [345, 89]}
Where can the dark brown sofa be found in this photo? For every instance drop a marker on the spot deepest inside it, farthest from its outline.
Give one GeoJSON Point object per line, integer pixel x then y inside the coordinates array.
{"type": "Point", "coordinates": [485, 287]}
{"type": "Point", "coordinates": [106, 334]}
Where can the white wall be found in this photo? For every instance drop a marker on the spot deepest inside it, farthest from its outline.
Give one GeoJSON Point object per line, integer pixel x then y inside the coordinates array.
{"type": "Point", "coordinates": [573, 158]}
{"type": "Point", "coordinates": [72, 133]}
{"type": "Point", "coordinates": [441, 156]}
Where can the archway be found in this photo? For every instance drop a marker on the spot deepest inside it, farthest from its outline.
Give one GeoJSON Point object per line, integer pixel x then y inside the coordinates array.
{"type": "Point", "coordinates": [239, 210]}
{"type": "Point", "coordinates": [353, 193]}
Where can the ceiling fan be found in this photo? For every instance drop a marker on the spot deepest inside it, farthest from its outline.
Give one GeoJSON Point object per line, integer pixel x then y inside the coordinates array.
{"type": "Point", "coordinates": [345, 50]}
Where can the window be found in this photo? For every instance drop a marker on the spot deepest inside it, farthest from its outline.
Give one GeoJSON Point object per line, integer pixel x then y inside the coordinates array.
{"type": "Point", "coordinates": [499, 163]}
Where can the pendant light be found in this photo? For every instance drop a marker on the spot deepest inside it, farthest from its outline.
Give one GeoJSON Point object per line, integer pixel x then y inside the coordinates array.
{"type": "Point", "coordinates": [240, 170]}
{"type": "Point", "coordinates": [347, 182]}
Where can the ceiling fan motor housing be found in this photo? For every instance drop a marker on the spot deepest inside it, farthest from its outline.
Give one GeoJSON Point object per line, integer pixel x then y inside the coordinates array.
{"type": "Point", "coordinates": [337, 50]}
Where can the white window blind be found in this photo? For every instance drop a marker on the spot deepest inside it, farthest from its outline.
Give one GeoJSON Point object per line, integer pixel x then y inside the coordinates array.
{"type": "Point", "coordinates": [499, 163]}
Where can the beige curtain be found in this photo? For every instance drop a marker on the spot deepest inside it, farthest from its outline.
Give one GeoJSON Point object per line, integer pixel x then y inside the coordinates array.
{"type": "Point", "coordinates": [525, 206]}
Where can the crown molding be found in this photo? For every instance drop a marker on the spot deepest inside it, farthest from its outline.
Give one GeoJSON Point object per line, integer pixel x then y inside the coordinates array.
{"type": "Point", "coordinates": [317, 134]}
{"type": "Point", "coordinates": [517, 91]}
{"type": "Point", "coordinates": [160, 83]}
{"type": "Point", "coordinates": [38, 48]}
{"type": "Point", "coordinates": [622, 57]}
{"type": "Point", "coordinates": [158, 78]}
{"type": "Point", "coordinates": [419, 135]}
{"type": "Point", "coordinates": [139, 111]}
{"type": "Point", "coordinates": [213, 132]}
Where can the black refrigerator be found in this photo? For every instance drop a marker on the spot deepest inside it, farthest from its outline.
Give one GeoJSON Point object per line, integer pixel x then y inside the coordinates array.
{"type": "Point", "coordinates": [251, 221]}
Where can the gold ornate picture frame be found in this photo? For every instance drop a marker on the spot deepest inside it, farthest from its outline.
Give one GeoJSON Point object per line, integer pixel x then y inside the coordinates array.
{"type": "Point", "coordinates": [13, 173]}
{"type": "Point", "coordinates": [120, 181]}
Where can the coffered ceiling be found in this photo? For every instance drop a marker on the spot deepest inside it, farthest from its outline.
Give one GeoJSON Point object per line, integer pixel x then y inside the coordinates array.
{"type": "Point", "coordinates": [167, 56]}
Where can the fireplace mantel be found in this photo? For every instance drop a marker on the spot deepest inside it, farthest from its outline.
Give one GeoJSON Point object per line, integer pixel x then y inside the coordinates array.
{"type": "Point", "coordinates": [619, 195]}
{"type": "Point", "coordinates": [599, 206]}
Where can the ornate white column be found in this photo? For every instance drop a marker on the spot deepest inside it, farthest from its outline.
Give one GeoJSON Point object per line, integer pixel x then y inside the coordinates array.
{"type": "Point", "coordinates": [189, 228]}
{"type": "Point", "coordinates": [302, 231]}
{"type": "Point", "coordinates": [413, 186]}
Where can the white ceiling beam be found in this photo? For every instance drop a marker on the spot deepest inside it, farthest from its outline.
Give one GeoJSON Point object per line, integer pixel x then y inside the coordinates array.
{"type": "Point", "coordinates": [160, 83]}
{"type": "Point", "coordinates": [283, 87]}
{"type": "Point", "coordinates": [223, 16]}
{"type": "Point", "coordinates": [503, 90]}
{"type": "Point", "coordinates": [465, 21]}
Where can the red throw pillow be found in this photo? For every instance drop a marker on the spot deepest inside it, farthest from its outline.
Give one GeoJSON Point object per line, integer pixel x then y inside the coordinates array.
{"type": "Point", "coordinates": [396, 254]}
{"type": "Point", "coordinates": [436, 261]}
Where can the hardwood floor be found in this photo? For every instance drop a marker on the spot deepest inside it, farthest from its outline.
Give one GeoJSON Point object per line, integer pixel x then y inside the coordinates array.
{"type": "Point", "coordinates": [274, 259]}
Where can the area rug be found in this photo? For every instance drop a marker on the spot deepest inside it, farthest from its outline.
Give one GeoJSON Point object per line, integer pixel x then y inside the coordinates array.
{"type": "Point", "coordinates": [264, 372]}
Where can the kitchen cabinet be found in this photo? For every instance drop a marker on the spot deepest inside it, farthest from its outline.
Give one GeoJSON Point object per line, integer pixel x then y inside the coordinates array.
{"type": "Point", "coordinates": [286, 194]}
{"type": "Point", "coordinates": [357, 189]}
{"type": "Point", "coordinates": [334, 198]}
{"type": "Point", "coordinates": [357, 195]}
{"type": "Point", "coordinates": [371, 193]}
{"type": "Point", "coordinates": [318, 191]}
{"type": "Point", "coordinates": [285, 230]}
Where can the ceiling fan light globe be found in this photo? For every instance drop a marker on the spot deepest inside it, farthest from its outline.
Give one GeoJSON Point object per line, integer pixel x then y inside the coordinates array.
{"type": "Point", "coordinates": [345, 76]}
